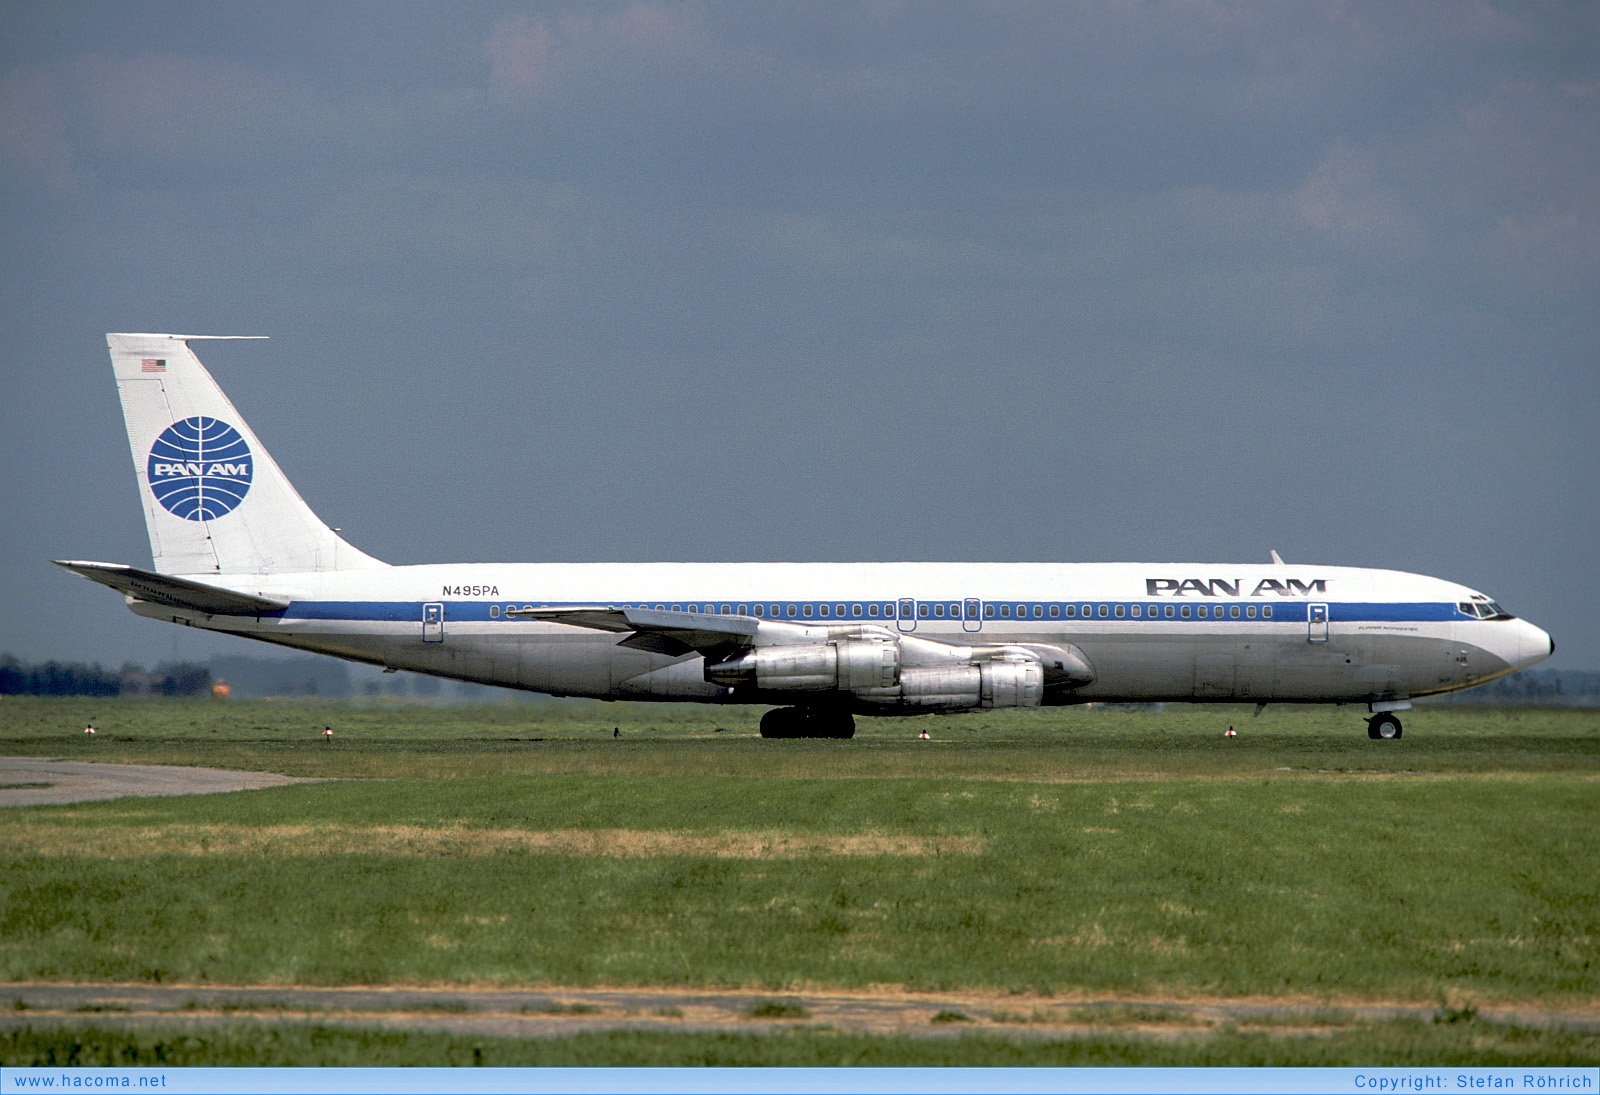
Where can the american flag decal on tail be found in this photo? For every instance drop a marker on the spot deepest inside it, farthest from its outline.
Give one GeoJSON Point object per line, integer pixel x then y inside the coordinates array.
{"type": "Point", "coordinates": [153, 365]}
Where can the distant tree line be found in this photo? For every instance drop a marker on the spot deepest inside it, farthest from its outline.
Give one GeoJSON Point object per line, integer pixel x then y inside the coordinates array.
{"type": "Point", "coordinates": [1535, 687]}
{"type": "Point", "coordinates": [77, 679]}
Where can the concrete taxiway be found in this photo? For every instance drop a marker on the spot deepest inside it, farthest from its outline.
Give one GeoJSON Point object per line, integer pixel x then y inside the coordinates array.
{"type": "Point", "coordinates": [48, 781]}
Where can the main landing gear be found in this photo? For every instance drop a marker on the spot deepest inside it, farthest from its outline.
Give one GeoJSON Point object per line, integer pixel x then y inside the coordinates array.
{"type": "Point", "coordinates": [1384, 727]}
{"type": "Point", "coordinates": [807, 722]}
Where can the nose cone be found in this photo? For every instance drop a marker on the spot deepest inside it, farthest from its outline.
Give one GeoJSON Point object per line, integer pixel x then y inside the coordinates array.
{"type": "Point", "coordinates": [1534, 644]}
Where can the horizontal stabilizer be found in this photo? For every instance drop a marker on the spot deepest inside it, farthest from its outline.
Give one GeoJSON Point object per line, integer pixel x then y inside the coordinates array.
{"type": "Point", "coordinates": [163, 589]}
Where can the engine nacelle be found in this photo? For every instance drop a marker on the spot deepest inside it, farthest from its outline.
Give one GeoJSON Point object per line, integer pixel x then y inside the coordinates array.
{"type": "Point", "coordinates": [1012, 683]}
{"type": "Point", "coordinates": [944, 686]}
{"type": "Point", "coordinates": [1009, 682]}
{"type": "Point", "coordinates": [875, 672]}
{"type": "Point", "coordinates": [848, 665]}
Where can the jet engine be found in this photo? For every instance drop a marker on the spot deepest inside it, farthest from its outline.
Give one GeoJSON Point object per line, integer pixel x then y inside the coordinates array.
{"type": "Point", "coordinates": [1012, 680]}
{"type": "Point", "coordinates": [875, 671]}
{"type": "Point", "coordinates": [848, 665]}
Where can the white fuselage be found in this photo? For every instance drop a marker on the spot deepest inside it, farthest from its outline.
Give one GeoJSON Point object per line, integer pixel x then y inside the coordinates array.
{"type": "Point", "coordinates": [1159, 631]}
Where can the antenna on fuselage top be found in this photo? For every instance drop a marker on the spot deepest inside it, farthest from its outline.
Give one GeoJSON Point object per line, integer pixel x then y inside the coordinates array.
{"type": "Point", "coordinates": [1277, 560]}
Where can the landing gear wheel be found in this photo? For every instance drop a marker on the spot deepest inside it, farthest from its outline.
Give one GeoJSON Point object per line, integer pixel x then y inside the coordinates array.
{"type": "Point", "coordinates": [782, 722]}
{"type": "Point", "coordinates": [835, 724]}
{"type": "Point", "coordinates": [1384, 727]}
{"type": "Point", "coordinates": [804, 722]}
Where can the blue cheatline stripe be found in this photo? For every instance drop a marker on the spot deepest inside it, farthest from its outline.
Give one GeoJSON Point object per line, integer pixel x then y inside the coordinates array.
{"type": "Point", "coordinates": [1007, 612]}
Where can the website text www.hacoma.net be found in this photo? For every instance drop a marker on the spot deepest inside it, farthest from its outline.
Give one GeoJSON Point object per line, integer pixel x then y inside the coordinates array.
{"type": "Point", "coordinates": [78, 1081]}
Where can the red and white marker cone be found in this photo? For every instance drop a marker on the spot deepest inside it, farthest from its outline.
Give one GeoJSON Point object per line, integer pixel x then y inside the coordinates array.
{"type": "Point", "coordinates": [923, 735]}
{"type": "Point", "coordinates": [1231, 733]}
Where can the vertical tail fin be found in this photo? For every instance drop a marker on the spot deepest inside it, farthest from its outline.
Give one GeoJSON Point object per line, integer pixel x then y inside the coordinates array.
{"type": "Point", "coordinates": [214, 500]}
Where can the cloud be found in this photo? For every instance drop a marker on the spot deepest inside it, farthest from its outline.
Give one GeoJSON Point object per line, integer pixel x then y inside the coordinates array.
{"type": "Point", "coordinates": [519, 50]}
{"type": "Point", "coordinates": [1347, 201]}
{"type": "Point", "coordinates": [33, 128]}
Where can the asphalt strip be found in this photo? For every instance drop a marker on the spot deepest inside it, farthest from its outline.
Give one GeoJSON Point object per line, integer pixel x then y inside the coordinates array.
{"type": "Point", "coordinates": [48, 781]}
{"type": "Point", "coordinates": [552, 1011]}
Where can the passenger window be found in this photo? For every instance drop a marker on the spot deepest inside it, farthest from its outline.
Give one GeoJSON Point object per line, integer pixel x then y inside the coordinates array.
{"type": "Point", "coordinates": [1137, 611]}
{"type": "Point", "coordinates": [1038, 611]}
{"type": "Point", "coordinates": [988, 610]}
{"type": "Point", "coordinates": [888, 611]}
{"type": "Point", "coordinates": [855, 610]}
{"type": "Point", "coordinates": [773, 611]}
{"type": "Point", "coordinates": [938, 610]}
{"type": "Point", "coordinates": [805, 610]}
{"type": "Point", "coordinates": [1088, 610]}
{"type": "Point", "coordinates": [922, 610]}
{"type": "Point", "coordinates": [1204, 612]}
{"type": "Point", "coordinates": [1055, 611]}
{"type": "Point", "coordinates": [1168, 612]}
{"type": "Point", "coordinates": [1185, 612]}
{"type": "Point", "coordinates": [1005, 612]}
{"type": "Point", "coordinates": [661, 608]}
{"type": "Point", "coordinates": [760, 610]}
{"type": "Point", "coordinates": [1234, 611]}
{"type": "Point", "coordinates": [1119, 611]}
{"type": "Point", "coordinates": [838, 610]}
{"type": "Point", "coordinates": [1072, 611]}
{"type": "Point", "coordinates": [1250, 611]}
{"type": "Point", "coordinates": [822, 609]}
{"type": "Point", "coordinates": [744, 610]}
{"type": "Point", "coordinates": [872, 610]}
{"type": "Point", "coordinates": [694, 608]}
{"type": "Point", "coordinates": [1102, 611]}
{"type": "Point", "coordinates": [726, 609]}
{"type": "Point", "coordinates": [1266, 612]}
{"type": "Point", "coordinates": [494, 612]}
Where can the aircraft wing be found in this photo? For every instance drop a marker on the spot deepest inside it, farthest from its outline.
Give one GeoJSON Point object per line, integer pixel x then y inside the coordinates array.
{"type": "Point", "coordinates": [661, 631]}
{"type": "Point", "coordinates": [164, 589]}
{"type": "Point", "coordinates": [717, 637]}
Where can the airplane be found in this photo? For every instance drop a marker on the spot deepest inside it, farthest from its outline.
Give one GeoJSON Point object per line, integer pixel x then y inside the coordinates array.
{"type": "Point", "coordinates": [235, 549]}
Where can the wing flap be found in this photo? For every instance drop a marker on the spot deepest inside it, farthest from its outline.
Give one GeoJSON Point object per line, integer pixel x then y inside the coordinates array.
{"type": "Point", "coordinates": [164, 589]}
{"type": "Point", "coordinates": [663, 631]}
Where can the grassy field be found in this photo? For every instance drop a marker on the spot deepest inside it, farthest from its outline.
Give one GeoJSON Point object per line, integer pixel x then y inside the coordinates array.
{"type": "Point", "coordinates": [1112, 850]}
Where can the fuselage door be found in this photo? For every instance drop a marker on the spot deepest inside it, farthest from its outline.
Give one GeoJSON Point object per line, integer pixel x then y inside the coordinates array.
{"type": "Point", "coordinates": [971, 614]}
{"type": "Point", "coordinates": [433, 623]}
{"type": "Point", "coordinates": [907, 614]}
{"type": "Point", "coordinates": [1316, 623]}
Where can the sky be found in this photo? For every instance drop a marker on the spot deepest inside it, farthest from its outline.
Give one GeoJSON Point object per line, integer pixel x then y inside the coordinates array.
{"type": "Point", "coordinates": [685, 281]}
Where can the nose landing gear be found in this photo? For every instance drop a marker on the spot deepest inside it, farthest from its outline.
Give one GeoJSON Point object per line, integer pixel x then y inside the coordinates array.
{"type": "Point", "coordinates": [1383, 727]}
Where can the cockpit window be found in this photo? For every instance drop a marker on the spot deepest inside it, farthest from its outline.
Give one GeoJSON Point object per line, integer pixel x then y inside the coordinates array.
{"type": "Point", "coordinates": [1484, 610]}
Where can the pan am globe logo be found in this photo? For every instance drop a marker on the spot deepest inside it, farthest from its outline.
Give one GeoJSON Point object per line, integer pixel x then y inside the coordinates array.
{"type": "Point", "coordinates": [199, 469]}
